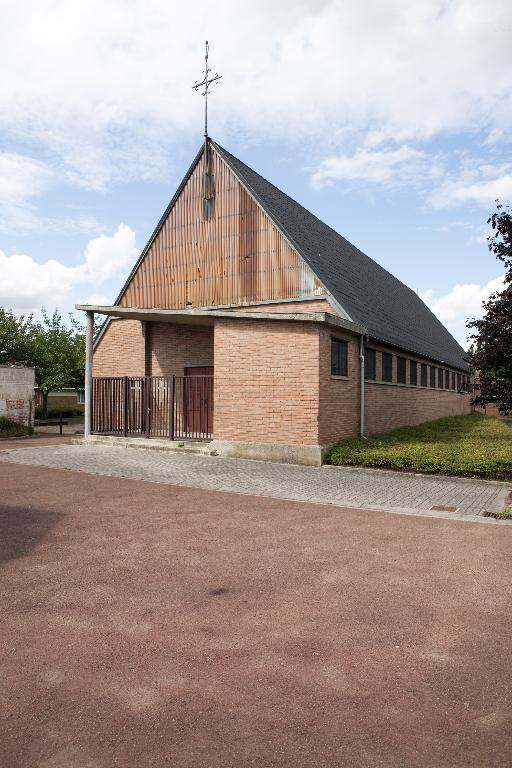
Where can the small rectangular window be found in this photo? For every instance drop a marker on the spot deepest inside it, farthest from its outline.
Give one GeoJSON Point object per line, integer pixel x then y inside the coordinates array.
{"type": "Point", "coordinates": [458, 382]}
{"type": "Point", "coordinates": [453, 379]}
{"type": "Point", "coordinates": [370, 364]}
{"type": "Point", "coordinates": [339, 366]}
{"type": "Point", "coordinates": [387, 367]}
{"type": "Point", "coordinates": [413, 373]}
{"type": "Point", "coordinates": [440, 378]}
{"type": "Point", "coordinates": [423, 375]}
{"type": "Point", "coordinates": [401, 370]}
{"type": "Point", "coordinates": [432, 376]}
{"type": "Point", "coordinates": [80, 396]}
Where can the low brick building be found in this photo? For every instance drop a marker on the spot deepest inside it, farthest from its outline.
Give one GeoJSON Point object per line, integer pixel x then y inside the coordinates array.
{"type": "Point", "coordinates": [249, 322]}
{"type": "Point", "coordinates": [17, 394]}
{"type": "Point", "coordinates": [68, 397]}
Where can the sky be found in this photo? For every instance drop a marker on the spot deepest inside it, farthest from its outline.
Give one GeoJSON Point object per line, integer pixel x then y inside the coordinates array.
{"type": "Point", "coordinates": [389, 120]}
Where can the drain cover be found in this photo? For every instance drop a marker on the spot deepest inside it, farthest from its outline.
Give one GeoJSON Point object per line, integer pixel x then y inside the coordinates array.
{"type": "Point", "coordinates": [443, 508]}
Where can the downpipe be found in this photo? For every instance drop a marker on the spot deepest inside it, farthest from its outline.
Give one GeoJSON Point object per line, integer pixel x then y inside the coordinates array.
{"type": "Point", "coordinates": [362, 341]}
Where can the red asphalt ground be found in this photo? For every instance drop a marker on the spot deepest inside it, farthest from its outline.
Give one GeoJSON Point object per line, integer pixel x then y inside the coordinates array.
{"type": "Point", "coordinates": [146, 625]}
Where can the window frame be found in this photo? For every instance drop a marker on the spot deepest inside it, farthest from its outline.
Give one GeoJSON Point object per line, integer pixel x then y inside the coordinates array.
{"type": "Point", "coordinates": [424, 375]}
{"type": "Point", "coordinates": [343, 345]}
{"type": "Point", "coordinates": [373, 354]}
{"type": "Point", "coordinates": [413, 366]}
{"type": "Point", "coordinates": [388, 356]}
{"type": "Point", "coordinates": [432, 382]}
{"type": "Point", "coordinates": [440, 378]}
{"type": "Point", "coordinates": [399, 372]}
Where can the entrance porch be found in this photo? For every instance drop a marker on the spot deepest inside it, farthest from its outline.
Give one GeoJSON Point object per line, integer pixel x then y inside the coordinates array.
{"type": "Point", "coordinates": [257, 384]}
{"type": "Point", "coordinates": [173, 407]}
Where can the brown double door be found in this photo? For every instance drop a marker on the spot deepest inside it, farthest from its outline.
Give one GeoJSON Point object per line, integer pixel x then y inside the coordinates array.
{"type": "Point", "coordinates": [198, 397]}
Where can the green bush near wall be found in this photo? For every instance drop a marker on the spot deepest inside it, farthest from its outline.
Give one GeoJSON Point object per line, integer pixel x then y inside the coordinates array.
{"type": "Point", "coordinates": [66, 411]}
{"type": "Point", "coordinates": [11, 428]}
{"type": "Point", "coordinates": [469, 446]}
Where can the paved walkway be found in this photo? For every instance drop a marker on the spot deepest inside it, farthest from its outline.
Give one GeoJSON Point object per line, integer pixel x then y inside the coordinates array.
{"type": "Point", "coordinates": [342, 486]}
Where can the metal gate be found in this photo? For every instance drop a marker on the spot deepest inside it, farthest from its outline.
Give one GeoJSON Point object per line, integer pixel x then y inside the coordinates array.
{"type": "Point", "coordinates": [174, 407]}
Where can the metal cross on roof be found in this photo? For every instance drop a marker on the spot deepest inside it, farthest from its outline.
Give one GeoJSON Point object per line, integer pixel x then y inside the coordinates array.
{"type": "Point", "coordinates": [205, 84]}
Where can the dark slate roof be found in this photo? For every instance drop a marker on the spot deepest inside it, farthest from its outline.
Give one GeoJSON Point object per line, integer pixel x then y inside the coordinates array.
{"type": "Point", "coordinates": [392, 312]}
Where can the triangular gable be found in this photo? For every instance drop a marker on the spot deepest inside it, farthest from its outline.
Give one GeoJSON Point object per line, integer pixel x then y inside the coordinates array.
{"type": "Point", "coordinates": [359, 288]}
{"type": "Point", "coordinates": [238, 256]}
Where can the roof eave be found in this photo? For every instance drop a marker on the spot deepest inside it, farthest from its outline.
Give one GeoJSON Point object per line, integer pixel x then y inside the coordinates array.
{"type": "Point", "coordinates": [198, 316]}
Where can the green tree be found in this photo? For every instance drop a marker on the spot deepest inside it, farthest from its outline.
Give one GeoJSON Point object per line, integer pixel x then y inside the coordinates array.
{"type": "Point", "coordinates": [491, 350]}
{"type": "Point", "coordinates": [55, 349]}
{"type": "Point", "coordinates": [58, 354]}
{"type": "Point", "coordinates": [16, 334]}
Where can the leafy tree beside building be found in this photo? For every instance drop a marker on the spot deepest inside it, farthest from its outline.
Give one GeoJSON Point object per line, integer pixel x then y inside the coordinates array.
{"type": "Point", "coordinates": [56, 350]}
{"type": "Point", "coordinates": [491, 350]}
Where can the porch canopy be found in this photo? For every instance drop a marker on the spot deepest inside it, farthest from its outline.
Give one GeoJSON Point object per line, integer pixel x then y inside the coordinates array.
{"type": "Point", "coordinates": [208, 316]}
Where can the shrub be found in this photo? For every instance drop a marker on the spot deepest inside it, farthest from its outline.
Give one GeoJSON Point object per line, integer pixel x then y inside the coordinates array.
{"type": "Point", "coordinates": [11, 428]}
{"type": "Point", "coordinates": [67, 411]}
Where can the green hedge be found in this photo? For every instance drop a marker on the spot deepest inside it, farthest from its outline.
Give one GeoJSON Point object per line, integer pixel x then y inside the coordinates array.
{"type": "Point", "coordinates": [471, 446]}
{"type": "Point", "coordinates": [55, 411]}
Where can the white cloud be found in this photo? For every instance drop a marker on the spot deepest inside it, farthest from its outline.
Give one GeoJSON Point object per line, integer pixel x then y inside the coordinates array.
{"type": "Point", "coordinates": [108, 256]}
{"type": "Point", "coordinates": [99, 299]}
{"type": "Point", "coordinates": [377, 166]}
{"type": "Point", "coordinates": [105, 88]}
{"type": "Point", "coordinates": [27, 285]}
{"type": "Point", "coordinates": [451, 225]}
{"type": "Point", "coordinates": [462, 302]}
{"type": "Point", "coordinates": [24, 179]}
{"type": "Point", "coordinates": [482, 186]}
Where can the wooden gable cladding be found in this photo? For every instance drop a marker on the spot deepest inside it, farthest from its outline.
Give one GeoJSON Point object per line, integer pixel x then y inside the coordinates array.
{"type": "Point", "coordinates": [236, 257]}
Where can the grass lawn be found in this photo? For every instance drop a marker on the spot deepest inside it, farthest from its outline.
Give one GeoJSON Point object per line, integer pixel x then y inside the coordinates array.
{"type": "Point", "coordinates": [471, 446]}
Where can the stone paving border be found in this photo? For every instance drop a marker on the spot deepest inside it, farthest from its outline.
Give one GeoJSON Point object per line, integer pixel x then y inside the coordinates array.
{"type": "Point", "coordinates": [355, 487]}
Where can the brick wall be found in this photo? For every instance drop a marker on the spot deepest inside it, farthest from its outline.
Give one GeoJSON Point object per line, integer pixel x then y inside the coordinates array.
{"type": "Point", "coordinates": [266, 382]}
{"type": "Point", "coordinates": [387, 405]}
{"type": "Point", "coordinates": [339, 396]}
{"type": "Point", "coordinates": [120, 351]}
{"type": "Point", "coordinates": [392, 405]}
{"type": "Point", "coordinates": [175, 347]}
{"type": "Point", "coordinates": [132, 348]}
{"type": "Point", "coordinates": [71, 400]}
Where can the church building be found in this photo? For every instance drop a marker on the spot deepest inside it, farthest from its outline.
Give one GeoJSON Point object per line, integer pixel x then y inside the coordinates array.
{"type": "Point", "coordinates": [249, 324]}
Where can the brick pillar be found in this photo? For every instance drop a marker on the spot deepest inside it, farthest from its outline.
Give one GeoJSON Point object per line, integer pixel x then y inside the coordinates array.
{"type": "Point", "coordinates": [146, 330]}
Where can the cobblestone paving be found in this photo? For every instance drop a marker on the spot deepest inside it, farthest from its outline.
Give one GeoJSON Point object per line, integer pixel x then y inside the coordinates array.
{"type": "Point", "coordinates": [342, 486]}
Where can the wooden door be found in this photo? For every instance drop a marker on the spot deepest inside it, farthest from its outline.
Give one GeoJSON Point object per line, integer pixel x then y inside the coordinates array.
{"type": "Point", "coordinates": [198, 392]}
